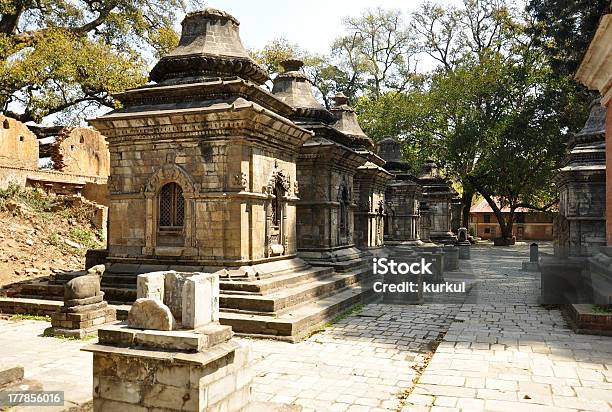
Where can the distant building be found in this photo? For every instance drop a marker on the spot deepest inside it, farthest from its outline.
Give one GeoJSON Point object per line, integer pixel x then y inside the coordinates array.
{"type": "Point", "coordinates": [528, 225]}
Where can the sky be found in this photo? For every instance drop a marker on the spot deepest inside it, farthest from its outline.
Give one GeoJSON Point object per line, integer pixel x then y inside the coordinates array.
{"type": "Point", "coordinates": [312, 24]}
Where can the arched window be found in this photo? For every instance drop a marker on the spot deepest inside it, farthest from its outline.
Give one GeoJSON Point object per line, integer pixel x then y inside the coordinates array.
{"type": "Point", "coordinates": [171, 207]}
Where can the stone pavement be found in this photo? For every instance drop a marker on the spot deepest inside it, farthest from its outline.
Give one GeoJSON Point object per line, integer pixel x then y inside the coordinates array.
{"type": "Point", "coordinates": [506, 353]}
{"type": "Point", "coordinates": [56, 363]}
{"type": "Point", "coordinates": [359, 364]}
{"type": "Point", "coordinates": [502, 353]}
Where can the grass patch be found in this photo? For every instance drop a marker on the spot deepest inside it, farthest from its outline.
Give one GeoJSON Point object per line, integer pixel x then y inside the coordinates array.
{"type": "Point", "coordinates": [352, 311]}
{"type": "Point", "coordinates": [36, 199]}
{"type": "Point", "coordinates": [602, 308]}
{"type": "Point", "coordinates": [49, 334]}
{"type": "Point", "coordinates": [17, 318]}
{"type": "Point", "coordinates": [85, 237]}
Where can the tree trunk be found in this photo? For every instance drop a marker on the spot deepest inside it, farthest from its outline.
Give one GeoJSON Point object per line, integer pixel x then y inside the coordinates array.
{"type": "Point", "coordinates": [466, 205]}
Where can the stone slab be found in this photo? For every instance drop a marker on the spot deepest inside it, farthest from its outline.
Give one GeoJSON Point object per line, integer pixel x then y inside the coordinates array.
{"type": "Point", "coordinates": [197, 340]}
{"type": "Point", "coordinates": [10, 374]}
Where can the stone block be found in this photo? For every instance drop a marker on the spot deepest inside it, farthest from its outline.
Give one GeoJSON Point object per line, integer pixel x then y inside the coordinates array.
{"type": "Point", "coordinates": [173, 292]}
{"type": "Point", "coordinates": [82, 287]}
{"type": "Point", "coordinates": [84, 301]}
{"type": "Point", "coordinates": [10, 374]}
{"type": "Point", "coordinates": [150, 314]}
{"type": "Point", "coordinates": [118, 390]}
{"type": "Point", "coordinates": [464, 251]}
{"type": "Point", "coordinates": [150, 286]}
{"type": "Point", "coordinates": [200, 304]}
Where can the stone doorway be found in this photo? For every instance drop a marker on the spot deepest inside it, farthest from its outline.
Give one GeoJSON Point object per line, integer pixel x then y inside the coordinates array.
{"type": "Point", "coordinates": [171, 216]}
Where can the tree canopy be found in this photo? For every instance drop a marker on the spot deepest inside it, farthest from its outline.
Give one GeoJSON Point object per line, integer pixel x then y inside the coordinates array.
{"type": "Point", "coordinates": [66, 57]}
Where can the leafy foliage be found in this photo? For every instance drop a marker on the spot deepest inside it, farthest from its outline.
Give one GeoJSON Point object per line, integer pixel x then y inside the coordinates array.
{"type": "Point", "coordinates": [69, 56]}
{"type": "Point", "coordinates": [565, 28]}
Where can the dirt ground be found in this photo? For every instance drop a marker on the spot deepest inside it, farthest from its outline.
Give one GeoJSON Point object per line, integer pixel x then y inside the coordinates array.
{"type": "Point", "coordinates": [41, 240]}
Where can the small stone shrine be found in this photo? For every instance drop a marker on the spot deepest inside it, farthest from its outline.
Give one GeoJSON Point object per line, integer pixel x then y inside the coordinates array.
{"type": "Point", "coordinates": [84, 308]}
{"type": "Point", "coordinates": [580, 225]}
{"type": "Point", "coordinates": [403, 197]}
{"type": "Point", "coordinates": [370, 182]}
{"type": "Point", "coordinates": [579, 230]}
{"type": "Point", "coordinates": [326, 166]}
{"type": "Point", "coordinates": [172, 355]}
{"type": "Point", "coordinates": [463, 243]}
{"type": "Point", "coordinates": [203, 161]}
{"type": "Point", "coordinates": [438, 193]}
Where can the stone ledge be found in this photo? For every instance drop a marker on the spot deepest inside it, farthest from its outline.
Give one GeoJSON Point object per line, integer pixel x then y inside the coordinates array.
{"type": "Point", "coordinates": [200, 358]}
{"type": "Point", "coordinates": [190, 341]}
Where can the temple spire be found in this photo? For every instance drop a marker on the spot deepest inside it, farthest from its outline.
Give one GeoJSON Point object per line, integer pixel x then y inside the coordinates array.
{"type": "Point", "coordinates": [210, 47]}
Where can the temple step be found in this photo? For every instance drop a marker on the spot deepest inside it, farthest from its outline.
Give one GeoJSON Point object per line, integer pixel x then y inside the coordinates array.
{"type": "Point", "coordinates": [301, 321]}
{"type": "Point", "coordinates": [283, 279]}
{"type": "Point", "coordinates": [284, 299]}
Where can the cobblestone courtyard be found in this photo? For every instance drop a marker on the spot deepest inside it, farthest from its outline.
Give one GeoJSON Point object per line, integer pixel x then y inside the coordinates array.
{"type": "Point", "coordinates": [499, 351]}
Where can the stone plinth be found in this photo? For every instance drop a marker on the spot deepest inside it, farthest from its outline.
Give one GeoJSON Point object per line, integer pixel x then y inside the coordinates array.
{"type": "Point", "coordinates": [464, 250]}
{"type": "Point", "coordinates": [451, 257]}
{"type": "Point", "coordinates": [197, 370]}
{"type": "Point", "coordinates": [84, 309]}
{"type": "Point", "coordinates": [156, 363]}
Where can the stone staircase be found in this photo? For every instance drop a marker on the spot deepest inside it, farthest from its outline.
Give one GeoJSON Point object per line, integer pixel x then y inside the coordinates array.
{"type": "Point", "coordinates": [285, 300]}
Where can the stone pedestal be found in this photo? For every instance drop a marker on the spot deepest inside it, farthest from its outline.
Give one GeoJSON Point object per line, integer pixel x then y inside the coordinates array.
{"type": "Point", "coordinates": [599, 281]}
{"type": "Point", "coordinates": [451, 257]}
{"type": "Point", "coordinates": [84, 309]}
{"type": "Point", "coordinates": [196, 370]}
{"type": "Point", "coordinates": [532, 264]}
{"type": "Point", "coordinates": [172, 354]}
{"type": "Point", "coordinates": [78, 319]}
{"type": "Point", "coordinates": [464, 250]}
{"type": "Point", "coordinates": [564, 280]}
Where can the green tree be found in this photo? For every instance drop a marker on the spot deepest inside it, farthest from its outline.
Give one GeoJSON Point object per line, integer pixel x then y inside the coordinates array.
{"type": "Point", "coordinates": [66, 57]}
{"type": "Point", "coordinates": [565, 28]}
{"type": "Point", "coordinates": [375, 54]}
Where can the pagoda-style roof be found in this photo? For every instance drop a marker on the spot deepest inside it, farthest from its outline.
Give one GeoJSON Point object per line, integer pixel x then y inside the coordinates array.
{"type": "Point", "coordinates": [390, 150]}
{"type": "Point", "coordinates": [295, 89]}
{"type": "Point", "coordinates": [587, 149]}
{"type": "Point", "coordinates": [346, 122]}
{"type": "Point", "coordinates": [433, 181]}
{"type": "Point", "coordinates": [210, 47]}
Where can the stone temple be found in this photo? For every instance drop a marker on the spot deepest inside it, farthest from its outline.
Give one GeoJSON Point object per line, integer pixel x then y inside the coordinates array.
{"type": "Point", "coordinates": [204, 178]}
{"type": "Point", "coordinates": [370, 181]}
{"type": "Point", "coordinates": [438, 193]}
{"type": "Point", "coordinates": [326, 168]}
{"type": "Point", "coordinates": [580, 224]}
{"type": "Point", "coordinates": [403, 196]}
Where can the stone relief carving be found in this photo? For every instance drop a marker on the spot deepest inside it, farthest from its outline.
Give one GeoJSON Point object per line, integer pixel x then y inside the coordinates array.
{"type": "Point", "coordinates": [241, 180]}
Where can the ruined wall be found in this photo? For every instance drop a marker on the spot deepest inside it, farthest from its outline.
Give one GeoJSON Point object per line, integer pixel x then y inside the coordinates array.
{"type": "Point", "coordinates": [18, 145]}
{"type": "Point", "coordinates": [81, 151]}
